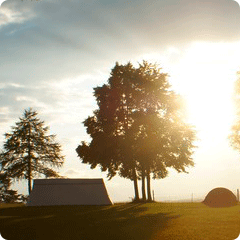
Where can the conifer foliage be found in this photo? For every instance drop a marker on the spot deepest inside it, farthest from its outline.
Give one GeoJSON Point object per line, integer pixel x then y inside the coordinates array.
{"type": "Point", "coordinates": [7, 195]}
{"type": "Point", "coordinates": [29, 151]}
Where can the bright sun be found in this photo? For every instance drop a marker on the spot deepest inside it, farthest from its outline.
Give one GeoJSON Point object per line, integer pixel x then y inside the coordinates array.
{"type": "Point", "coordinates": [204, 74]}
{"type": "Point", "coordinates": [206, 78]}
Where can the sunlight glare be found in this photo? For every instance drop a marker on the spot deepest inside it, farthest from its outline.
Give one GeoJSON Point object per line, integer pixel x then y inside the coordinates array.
{"type": "Point", "coordinates": [205, 78]}
{"type": "Point", "coordinates": [203, 74]}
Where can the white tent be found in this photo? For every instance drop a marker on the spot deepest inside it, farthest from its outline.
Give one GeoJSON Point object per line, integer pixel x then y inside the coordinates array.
{"type": "Point", "coordinates": [47, 192]}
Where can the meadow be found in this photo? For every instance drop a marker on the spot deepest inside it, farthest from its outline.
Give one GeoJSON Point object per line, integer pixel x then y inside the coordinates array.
{"type": "Point", "coordinates": [145, 221]}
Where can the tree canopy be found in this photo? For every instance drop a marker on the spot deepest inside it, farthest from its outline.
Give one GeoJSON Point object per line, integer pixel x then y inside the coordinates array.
{"type": "Point", "coordinates": [234, 137]}
{"type": "Point", "coordinates": [138, 129]}
{"type": "Point", "coordinates": [7, 195]}
{"type": "Point", "coordinates": [29, 151]}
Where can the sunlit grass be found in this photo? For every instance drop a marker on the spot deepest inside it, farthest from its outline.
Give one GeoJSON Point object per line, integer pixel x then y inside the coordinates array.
{"type": "Point", "coordinates": [11, 205]}
{"type": "Point", "coordinates": [121, 221]}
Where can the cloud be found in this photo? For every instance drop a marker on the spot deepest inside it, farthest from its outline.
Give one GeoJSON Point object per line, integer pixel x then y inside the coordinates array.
{"type": "Point", "coordinates": [71, 173]}
{"type": "Point", "coordinates": [17, 97]}
{"type": "Point", "coordinates": [63, 39]}
{"type": "Point", "coordinates": [54, 52]}
{"type": "Point", "coordinates": [237, 2]}
{"type": "Point", "coordinates": [84, 173]}
{"type": "Point", "coordinates": [46, 43]}
{"type": "Point", "coordinates": [1, 1]}
{"type": "Point", "coordinates": [12, 11]}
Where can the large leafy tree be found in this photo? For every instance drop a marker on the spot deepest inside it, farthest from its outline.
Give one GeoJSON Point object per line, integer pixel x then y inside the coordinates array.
{"type": "Point", "coordinates": [110, 126]}
{"type": "Point", "coordinates": [139, 129]}
{"type": "Point", "coordinates": [29, 151]}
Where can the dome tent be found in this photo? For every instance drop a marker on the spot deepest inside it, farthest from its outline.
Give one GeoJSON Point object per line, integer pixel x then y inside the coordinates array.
{"type": "Point", "coordinates": [220, 197]}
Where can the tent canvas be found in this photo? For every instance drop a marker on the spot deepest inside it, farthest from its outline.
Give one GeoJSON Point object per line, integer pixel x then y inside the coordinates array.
{"type": "Point", "coordinates": [48, 192]}
{"type": "Point", "coordinates": [220, 197]}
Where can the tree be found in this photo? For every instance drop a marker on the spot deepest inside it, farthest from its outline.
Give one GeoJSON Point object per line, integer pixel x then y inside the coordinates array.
{"type": "Point", "coordinates": [140, 120]}
{"type": "Point", "coordinates": [109, 128]}
{"type": "Point", "coordinates": [29, 151]}
{"type": "Point", "coordinates": [7, 195]}
{"type": "Point", "coordinates": [234, 137]}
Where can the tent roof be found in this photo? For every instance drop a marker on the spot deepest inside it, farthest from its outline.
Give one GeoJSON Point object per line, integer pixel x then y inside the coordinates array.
{"type": "Point", "coordinates": [70, 181]}
{"type": "Point", "coordinates": [48, 192]}
{"type": "Point", "coordinates": [220, 197]}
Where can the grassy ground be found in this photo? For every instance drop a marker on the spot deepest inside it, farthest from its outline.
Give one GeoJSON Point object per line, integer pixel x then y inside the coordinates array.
{"type": "Point", "coordinates": [152, 221]}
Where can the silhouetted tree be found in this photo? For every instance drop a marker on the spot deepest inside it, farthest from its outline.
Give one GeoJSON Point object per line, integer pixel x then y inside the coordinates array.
{"type": "Point", "coordinates": [110, 126]}
{"type": "Point", "coordinates": [139, 127]}
{"type": "Point", "coordinates": [29, 151]}
{"type": "Point", "coordinates": [235, 131]}
{"type": "Point", "coordinates": [7, 195]}
{"type": "Point", "coordinates": [10, 196]}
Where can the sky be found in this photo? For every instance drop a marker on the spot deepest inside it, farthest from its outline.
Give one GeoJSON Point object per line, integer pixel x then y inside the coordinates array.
{"type": "Point", "coordinates": [54, 52]}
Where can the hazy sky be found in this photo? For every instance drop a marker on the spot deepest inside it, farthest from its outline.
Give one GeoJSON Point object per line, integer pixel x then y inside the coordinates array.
{"type": "Point", "coordinates": [54, 52]}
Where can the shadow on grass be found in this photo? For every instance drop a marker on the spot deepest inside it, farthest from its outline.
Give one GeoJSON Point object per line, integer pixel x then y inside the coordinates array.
{"type": "Point", "coordinates": [126, 221]}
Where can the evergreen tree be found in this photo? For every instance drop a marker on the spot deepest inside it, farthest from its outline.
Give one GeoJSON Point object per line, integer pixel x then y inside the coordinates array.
{"type": "Point", "coordinates": [7, 195]}
{"type": "Point", "coordinates": [29, 151]}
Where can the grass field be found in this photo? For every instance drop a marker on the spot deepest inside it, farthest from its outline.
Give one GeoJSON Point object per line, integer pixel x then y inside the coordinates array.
{"type": "Point", "coordinates": [170, 221]}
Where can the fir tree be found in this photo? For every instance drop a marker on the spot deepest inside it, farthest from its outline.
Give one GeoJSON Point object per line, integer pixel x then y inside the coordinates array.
{"type": "Point", "coordinates": [29, 151]}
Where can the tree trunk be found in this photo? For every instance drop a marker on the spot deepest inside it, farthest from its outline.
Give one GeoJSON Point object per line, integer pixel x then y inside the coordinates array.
{"type": "Point", "coordinates": [149, 186]}
{"type": "Point", "coordinates": [135, 185]}
{"type": "Point", "coordinates": [143, 186]}
{"type": "Point", "coordinates": [29, 184]}
{"type": "Point", "coordinates": [29, 162]}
